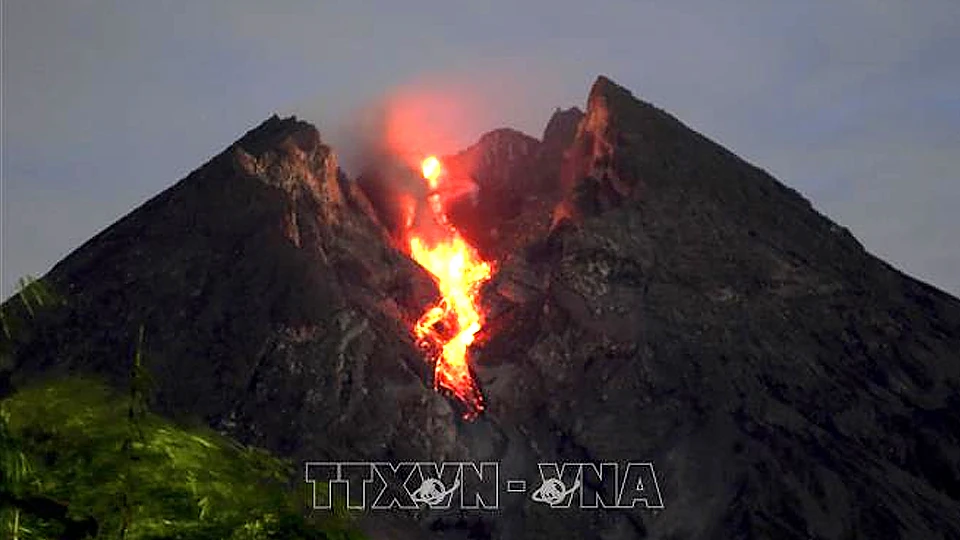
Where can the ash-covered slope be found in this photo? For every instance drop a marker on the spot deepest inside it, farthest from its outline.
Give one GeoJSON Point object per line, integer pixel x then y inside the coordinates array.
{"type": "Point", "coordinates": [519, 184]}
{"type": "Point", "coordinates": [689, 309]}
{"type": "Point", "coordinates": [273, 307]}
{"type": "Point", "coordinates": [657, 299]}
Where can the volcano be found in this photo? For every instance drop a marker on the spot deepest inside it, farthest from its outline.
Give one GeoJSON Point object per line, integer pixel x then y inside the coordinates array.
{"type": "Point", "coordinates": [655, 298]}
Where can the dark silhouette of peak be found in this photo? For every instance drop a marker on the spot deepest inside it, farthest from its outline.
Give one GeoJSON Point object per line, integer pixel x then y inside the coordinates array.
{"type": "Point", "coordinates": [720, 324]}
{"type": "Point", "coordinates": [272, 131]}
{"type": "Point", "coordinates": [505, 136]}
{"type": "Point", "coordinates": [562, 127]}
{"type": "Point", "coordinates": [254, 278]}
{"type": "Point", "coordinates": [605, 88]}
{"type": "Point", "coordinates": [657, 299]}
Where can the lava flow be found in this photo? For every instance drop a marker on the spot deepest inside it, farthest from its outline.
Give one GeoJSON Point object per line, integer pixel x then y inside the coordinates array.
{"type": "Point", "coordinates": [447, 329]}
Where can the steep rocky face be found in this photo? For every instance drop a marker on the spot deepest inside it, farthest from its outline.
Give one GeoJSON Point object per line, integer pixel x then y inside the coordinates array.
{"type": "Point", "coordinates": [274, 308]}
{"type": "Point", "coordinates": [657, 299]}
{"type": "Point", "coordinates": [492, 161]}
{"type": "Point", "coordinates": [692, 310]}
{"type": "Point", "coordinates": [518, 179]}
{"type": "Point", "coordinates": [495, 163]}
{"type": "Point", "coordinates": [561, 129]}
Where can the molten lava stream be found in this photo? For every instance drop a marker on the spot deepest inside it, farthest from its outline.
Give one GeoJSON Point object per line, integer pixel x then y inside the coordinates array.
{"type": "Point", "coordinates": [447, 329]}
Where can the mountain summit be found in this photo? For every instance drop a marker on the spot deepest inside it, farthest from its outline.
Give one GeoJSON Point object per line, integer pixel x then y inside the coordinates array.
{"type": "Point", "coordinates": [265, 288]}
{"type": "Point", "coordinates": [657, 299]}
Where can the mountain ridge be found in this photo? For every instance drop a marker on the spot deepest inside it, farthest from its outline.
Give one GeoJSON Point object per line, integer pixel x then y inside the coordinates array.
{"type": "Point", "coordinates": [657, 299]}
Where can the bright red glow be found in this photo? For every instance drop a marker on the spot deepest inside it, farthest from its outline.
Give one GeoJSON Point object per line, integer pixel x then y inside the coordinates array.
{"type": "Point", "coordinates": [431, 171]}
{"type": "Point", "coordinates": [448, 328]}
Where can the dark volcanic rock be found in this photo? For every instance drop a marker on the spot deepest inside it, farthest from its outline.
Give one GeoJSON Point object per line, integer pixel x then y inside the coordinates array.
{"type": "Point", "coordinates": [562, 128]}
{"type": "Point", "coordinates": [701, 315]}
{"type": "Point", "coordinates": [519, 184]}
{"type": "Point", "coordinates": [657, 299]}
{"type": "Point", "coordinates": [274, 308]}
{"type": "Point", "coordinates": [497, 164]}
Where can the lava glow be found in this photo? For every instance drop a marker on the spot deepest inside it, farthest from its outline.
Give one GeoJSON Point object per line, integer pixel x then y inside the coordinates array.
{"type": "Point", "coordinates": [431, 171]}
{"type": "Point", "coordinates": [448, 329]}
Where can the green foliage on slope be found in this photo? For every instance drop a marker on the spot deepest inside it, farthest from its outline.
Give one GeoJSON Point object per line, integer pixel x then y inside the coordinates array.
{"type": "Point", "coordinates": [78, 459]}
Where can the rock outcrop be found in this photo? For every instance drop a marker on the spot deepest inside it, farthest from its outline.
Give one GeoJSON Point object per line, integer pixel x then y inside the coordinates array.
{"type": "Point", "coordinates": [274, 308]}
{"type": "Point", "coordinates": [519, 184]}
{"type": "Point", "coordinates": [657, 299]}
{"type": "Point", "coordinates": [690, 309]}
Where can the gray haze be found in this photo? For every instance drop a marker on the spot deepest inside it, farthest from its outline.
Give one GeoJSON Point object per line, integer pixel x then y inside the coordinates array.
{"type": "Point", "coordinates": [854, 103]}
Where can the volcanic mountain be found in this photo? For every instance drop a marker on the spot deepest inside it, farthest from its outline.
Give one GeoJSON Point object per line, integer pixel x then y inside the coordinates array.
{"type": "Point", "coordinates": [655, 299]}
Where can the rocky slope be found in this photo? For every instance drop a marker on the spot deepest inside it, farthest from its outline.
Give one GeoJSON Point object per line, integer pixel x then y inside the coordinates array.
{"type": "Point", "coordinates": [658, 299]}
{"type": "Point", "coordinates": [692, 309]}
{"type": "Point", "coordinates": [519, 184]}
{"type": "Point", "coordinates": [274, 308]}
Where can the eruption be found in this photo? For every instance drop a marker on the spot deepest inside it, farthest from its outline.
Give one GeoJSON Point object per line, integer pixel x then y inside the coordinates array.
{"type": "Point", "coordinates": [431, 171]}
{"type": "Point", "coordinates": [448, 328]}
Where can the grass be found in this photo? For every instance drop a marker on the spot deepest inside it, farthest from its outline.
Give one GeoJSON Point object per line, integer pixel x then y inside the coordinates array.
{"type": "Point", "coordinates": [71, 467]}
{"type": "Point", "coordinates": [80, 460]}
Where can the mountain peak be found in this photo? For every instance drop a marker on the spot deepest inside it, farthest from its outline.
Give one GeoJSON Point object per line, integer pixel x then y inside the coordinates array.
{"type": "Point", "coordinates": [274, 130]}
{"type": "Point", "coordinates": [288, 153]}
{"type": "Point", "coordinates": [504, 133]}
{"type": "Point", "coordinates": [605, 88]}
{"type": "Point", "coordinates": [263, 247]}
{"type": "Point", "coordinates": [562, 127]}
{"type": "Point", "coordinates": [693, 312]}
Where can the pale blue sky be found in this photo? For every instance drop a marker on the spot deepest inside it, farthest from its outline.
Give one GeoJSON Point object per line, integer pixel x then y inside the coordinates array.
{"type": "Point", "coordinates": [854, 103]}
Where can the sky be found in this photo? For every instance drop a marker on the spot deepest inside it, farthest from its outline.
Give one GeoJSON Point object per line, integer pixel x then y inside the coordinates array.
{"type": "Point", "coordinates": [854, 103]}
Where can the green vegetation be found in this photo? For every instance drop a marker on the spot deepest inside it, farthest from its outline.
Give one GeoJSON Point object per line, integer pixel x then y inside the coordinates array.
{"type": "Point", "coordinates": [74, 464]}
{"type": "Point", "coordinates": [80, 460]}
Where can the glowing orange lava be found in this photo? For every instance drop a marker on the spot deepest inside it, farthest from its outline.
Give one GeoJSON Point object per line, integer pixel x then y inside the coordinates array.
{"type": "Point", "coordinates": [448, 328]}
{"type": "Point", "coordinates": [431, 171]}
